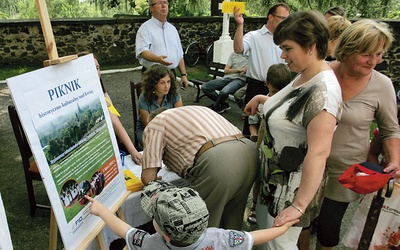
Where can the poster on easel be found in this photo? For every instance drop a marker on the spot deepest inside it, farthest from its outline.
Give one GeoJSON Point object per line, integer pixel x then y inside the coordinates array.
{"type": "Point", "coordinates": [65, 117]}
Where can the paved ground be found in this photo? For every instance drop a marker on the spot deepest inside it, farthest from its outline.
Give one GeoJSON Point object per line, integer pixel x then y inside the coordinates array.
{"type": "Point", "coordinates": [117, 85]}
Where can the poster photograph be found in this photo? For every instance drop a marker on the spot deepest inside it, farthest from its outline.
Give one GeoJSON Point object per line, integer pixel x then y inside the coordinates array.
{"type": "Point", "coordinates": [66, 120]}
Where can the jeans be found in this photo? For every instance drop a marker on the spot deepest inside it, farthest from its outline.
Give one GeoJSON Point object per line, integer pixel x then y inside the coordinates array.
{"type": "Point", "coordinates": [225, 85]}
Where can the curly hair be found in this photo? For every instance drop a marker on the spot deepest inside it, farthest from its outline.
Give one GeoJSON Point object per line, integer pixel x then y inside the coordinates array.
{"type": "Point", "coordinates": [150, 79]}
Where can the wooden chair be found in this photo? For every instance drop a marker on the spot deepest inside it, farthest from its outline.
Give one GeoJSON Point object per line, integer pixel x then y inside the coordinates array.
{"type": "Point", "coordinates": [136, 89]}
{"type": "Point", "coordinates": [31, 171]}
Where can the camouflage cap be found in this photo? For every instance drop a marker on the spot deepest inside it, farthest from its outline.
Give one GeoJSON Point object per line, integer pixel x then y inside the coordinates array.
{"type": "Point", "coordinates": [180, 212]}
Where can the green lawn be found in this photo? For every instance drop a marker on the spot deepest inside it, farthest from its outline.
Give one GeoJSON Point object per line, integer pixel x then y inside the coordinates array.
{"type": "Point", "coordinates": [7, 72]}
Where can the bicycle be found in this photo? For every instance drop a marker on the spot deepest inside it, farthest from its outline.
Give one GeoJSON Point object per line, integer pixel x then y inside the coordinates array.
{"type": "Point", "coordinates": [202, 48]}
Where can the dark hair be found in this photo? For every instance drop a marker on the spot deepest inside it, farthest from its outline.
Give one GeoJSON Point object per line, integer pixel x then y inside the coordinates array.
{"type": "Point", "coordinates": [336, 11]}
{"type": "Point", "coordinates": [274, 7]}
{"type": "Point", "coordinates": [150, 79]}
{"type": "Point", "coordinates": [306, 28]}
{"type": "Point", "coordinates": [279, 75]}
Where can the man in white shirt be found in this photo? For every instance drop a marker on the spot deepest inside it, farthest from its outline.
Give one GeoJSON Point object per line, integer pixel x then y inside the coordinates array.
{"type": "Point", "coordinates": [263, 52]}
{"type": "Point", "coordinates": [158, 41]}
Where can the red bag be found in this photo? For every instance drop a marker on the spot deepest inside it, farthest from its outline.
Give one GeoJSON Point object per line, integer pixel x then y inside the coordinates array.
{"type": "Point", "coordinates": [364, 178]}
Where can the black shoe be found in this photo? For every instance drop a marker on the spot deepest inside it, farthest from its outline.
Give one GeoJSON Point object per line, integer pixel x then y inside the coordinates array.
{"type": "Point", "coordinates": [211, 107]}
{"type": "Point", "coordinates": [222, 108]}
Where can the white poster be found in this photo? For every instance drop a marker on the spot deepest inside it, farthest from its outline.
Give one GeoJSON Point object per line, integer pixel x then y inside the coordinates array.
{"type": "Point", "coordinates": [66, 120]}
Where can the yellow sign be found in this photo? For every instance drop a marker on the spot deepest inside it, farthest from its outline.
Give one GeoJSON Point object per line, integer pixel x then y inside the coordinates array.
{"type": "Point", "coordinates": [227, 7]}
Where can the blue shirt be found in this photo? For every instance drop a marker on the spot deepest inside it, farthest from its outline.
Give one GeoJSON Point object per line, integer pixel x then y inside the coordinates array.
{"type": "Point", "coordinates": [159, 39]}
{"type": "Point", "coordinates": [149, 107]}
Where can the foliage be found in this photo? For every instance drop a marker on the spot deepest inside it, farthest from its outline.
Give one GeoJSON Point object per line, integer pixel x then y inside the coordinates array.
{"type": "Point", "coordinates": [189, 8]}
{"type": "Point", "coordinates": [57, 9]}
{"type": "Point", "coordinates": [3, 15]}
{"type": "Point", "coordinates": [395, 12]}
{"type": "Point", "coordinates": [178, 8]}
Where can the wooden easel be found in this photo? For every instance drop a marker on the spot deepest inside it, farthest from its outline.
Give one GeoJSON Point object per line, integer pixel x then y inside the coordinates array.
{"type": "Point", "coordinates": [53, 60]}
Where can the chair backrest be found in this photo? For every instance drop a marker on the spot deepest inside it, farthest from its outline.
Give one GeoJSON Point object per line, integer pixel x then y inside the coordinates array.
{"type": "Point", "coordinates": [23, 144]}
{"type": "Point", "coordinates": [136, 89]}
{"type": "Point", "coordinates": [31, 170]}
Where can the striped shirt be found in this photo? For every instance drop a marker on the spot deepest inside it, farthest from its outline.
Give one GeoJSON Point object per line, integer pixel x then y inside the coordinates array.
{"type": "Point", "coordinates": [175, 136]}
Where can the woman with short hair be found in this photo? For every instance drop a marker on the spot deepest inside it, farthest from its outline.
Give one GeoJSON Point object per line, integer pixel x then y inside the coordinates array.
{"type": "Point", "coordinates": [367, 95]}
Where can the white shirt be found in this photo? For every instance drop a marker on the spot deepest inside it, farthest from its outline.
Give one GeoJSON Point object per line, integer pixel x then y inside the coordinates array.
{"type": "Point", "coordinates": [263, 52]}
{"type": "Point", "coordinates": [160, 40]}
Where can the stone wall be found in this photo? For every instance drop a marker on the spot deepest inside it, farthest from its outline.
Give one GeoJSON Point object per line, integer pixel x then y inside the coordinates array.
{"type": "Point", "coordinates": [113, 39]}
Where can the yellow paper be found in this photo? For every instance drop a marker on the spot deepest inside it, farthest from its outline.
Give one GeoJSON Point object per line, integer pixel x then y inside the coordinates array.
{"type": "Point", "coordinates": [133, 184]}
{"type": "Point", "coordinates": [227, 7]}
{"type": "Point", "coordinates": [111, 107]}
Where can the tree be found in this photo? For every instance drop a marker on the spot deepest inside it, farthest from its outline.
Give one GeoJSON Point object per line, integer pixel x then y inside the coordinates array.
{"type": "Point", "coordinates": [57, 9]}
{"type": "Point", "coordinates": [107, 8]}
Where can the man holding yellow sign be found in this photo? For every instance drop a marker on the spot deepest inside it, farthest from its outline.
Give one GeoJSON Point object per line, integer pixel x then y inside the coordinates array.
{"type": "Point", "coordinates": [262, 50]}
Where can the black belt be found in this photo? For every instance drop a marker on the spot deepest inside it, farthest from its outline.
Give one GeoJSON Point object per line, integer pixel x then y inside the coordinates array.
{"type": "Point", "coordinates": [251, 80]}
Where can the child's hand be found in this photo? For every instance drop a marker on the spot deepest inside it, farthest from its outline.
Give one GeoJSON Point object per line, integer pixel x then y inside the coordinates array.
{"type": "Point", "coordinates": [289, 224]}
{"type": "Point", "coordinates": [137, 158]}
{"type": "Point", "coordinates": [96, 206]}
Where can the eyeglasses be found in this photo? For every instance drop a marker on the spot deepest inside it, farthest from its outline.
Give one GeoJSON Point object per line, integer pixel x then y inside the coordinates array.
{"type": "Point", "coordinates": [281, 17]}
{"type": "Point", "coordinates": [160, 3]}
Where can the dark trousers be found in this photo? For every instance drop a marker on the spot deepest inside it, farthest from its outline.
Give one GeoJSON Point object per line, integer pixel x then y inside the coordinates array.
{"type": "Point", "coordinates": [254, 87]}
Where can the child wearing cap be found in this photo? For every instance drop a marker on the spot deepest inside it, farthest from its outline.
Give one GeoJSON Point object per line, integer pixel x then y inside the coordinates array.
{"type": "Point", "coordinates": [180, 218]}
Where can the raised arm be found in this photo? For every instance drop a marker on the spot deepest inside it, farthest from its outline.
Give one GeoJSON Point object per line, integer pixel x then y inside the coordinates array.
{"type": "Point", "coordinates": [238, 39]}
{"type": "Point", "coordinates": [116, 225]}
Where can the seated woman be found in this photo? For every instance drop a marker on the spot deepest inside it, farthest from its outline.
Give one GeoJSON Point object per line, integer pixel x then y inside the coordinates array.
{"type": "Point", "coordinates": [119, 129]}
{"type": "Point", "coordinates": [159, 90]}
